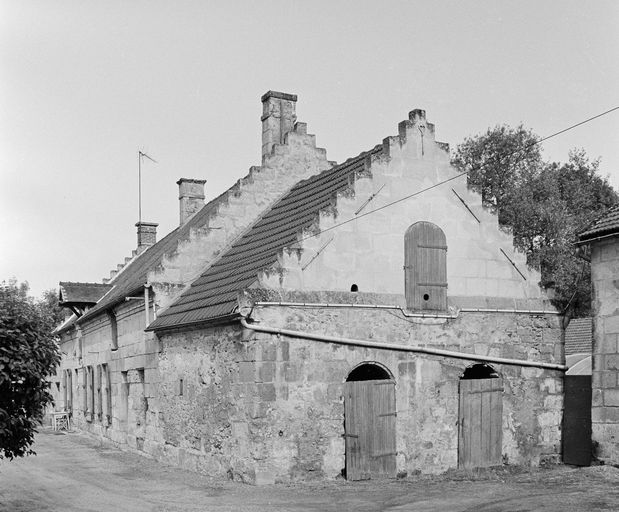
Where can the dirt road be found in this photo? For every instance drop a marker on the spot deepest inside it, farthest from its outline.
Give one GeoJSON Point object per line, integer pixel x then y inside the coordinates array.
{"type": "Point", "coordinates": [75, 473]}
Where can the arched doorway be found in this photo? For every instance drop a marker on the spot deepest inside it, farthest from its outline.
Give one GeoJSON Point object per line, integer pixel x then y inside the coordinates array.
{"type": "Point", "coordinates": [480, 422]}
{"type": "Point", "coordinates": [369, 422]}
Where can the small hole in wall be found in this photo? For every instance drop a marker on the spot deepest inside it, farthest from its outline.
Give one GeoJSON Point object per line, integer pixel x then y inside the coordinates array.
{"type": "Point", "coordinates": [426, 296]}
{"type": "Point", "coordinates": [180, 387]}
{"type": "Point", "coordinates": [281, 433]}
{"type": "Point", "coordinates": [354, 288]}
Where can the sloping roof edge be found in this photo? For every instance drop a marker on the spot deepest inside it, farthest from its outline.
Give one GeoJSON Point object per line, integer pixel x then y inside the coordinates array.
{"type": "Point", "coordinates": [214, 293]}
{"type": "Point", "coordinates": [607, 224]}
{"type": "Point", "coordinates": [134, 275]}
{"type": "Point", "coordinates": [81, 293]}
{"type": "Point", "coordinates": [223, 319]}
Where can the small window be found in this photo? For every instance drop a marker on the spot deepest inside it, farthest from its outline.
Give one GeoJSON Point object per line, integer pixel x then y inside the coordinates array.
{"type": "Point", "coordinates": [84, 390]}
{"type": "Point", "coordinates": [99, 393]}
{"type": "Point", "coordinates": [425, 267]}
{"type": "Point", "coordinates": [69, 402]}
{"type": "Point", "coordinates": [65, 393]}
{"type": "Point", "coordinates": [90, 385]}
{"type": "Point", "coordinates": [113, 330]}
{"type": "Point", "coordinates": [108, 393]}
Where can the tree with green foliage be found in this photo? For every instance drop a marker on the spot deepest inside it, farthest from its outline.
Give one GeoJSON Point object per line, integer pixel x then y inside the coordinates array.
{"type": "Point", "coordinates": [544, 204]}
{"type": "Point", "coordinates": [497, 162]}
{"type": "Point", "coordinates": [28, 357]}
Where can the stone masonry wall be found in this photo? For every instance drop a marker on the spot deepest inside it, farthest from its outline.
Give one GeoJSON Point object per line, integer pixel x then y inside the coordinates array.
{"type": "Point", "coordinates": [605, 376]}
{"type": "Point", "coordinates": [265, 408]}
{"type": "Point", "coordinates": [132, 372]}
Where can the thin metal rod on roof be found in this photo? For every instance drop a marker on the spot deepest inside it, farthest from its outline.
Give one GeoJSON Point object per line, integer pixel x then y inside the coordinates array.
{"type": "Point", "coordinates": [466, 205]}
{"type": "Point", "coordinates": [513, 264]}
{"type": "Point", "coordinates": [367, 201]}
{"type": "Point", "coordinates": [317, 253]}
{"type": "Point", "coordinates": [140, 155]}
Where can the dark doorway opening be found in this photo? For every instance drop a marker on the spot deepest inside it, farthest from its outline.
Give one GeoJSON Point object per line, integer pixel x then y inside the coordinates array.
{"type": "Point", "coordinates": [480, 371]}
{"type": "Point", "coordinates": [368, 371]}
{"type": "Point", "coordinates": [577, 420]}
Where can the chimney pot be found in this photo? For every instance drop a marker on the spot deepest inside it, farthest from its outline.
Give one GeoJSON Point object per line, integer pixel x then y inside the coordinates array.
{"type": "Point", "coordinates": [191, 197]}
{"type": "Point", "coordinates": [147, 234]}
{"type": "Point", "coordinates": [278, 118]}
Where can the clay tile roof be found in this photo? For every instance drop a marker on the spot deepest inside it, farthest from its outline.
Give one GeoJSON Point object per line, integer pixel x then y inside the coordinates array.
{"type": "Point", "coordinates": [607, 224]}
{"type": "Point", "coordinates": [82, 293]}
{"type": "Point", "coordinates": [578, 336]}
{"type": "Point", "coordinates": [214, 294]}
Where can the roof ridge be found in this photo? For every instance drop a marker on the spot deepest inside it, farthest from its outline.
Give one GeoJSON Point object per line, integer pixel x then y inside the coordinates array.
{"type": "Point", "coordinates": [83, 283]}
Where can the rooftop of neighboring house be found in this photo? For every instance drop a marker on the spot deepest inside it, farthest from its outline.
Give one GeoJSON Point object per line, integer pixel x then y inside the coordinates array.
{"type": "Point", "coordinates": [578, 336]}
{"type": "Point", "coordinates": [81, 293]}
{"type": "Point", "coordinates": [607, 224]}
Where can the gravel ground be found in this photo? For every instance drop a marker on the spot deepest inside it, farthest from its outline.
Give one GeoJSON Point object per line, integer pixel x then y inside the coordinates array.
{"type": "Point", "coordinates": [72, 472]}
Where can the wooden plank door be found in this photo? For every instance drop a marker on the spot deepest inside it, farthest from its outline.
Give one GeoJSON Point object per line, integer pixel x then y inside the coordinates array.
{"type": "Point", "coordinates": [425, 267]}
{"type": "Point", "coordinates": [577, 420]}
{"type": "Point", "coordinates": [369, 425]}
{"type": "Point", "coordinates": [480, 424]}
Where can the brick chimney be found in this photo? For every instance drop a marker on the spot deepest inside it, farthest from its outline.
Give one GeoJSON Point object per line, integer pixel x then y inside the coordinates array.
{"type": "Point", "coordinates": [147, 234]}
{"type": "Point", "coordinates": [191, 197]}
{"type": "Point", "coordinates": [278, 118]}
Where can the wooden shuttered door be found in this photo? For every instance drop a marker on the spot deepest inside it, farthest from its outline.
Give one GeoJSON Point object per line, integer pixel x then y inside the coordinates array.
{"type": "Point", "coordinates": [425, 267]}
{"type": "Point", "coordinates": [369, 423]}
{"type": "Point", "coordinates": [480, 432]}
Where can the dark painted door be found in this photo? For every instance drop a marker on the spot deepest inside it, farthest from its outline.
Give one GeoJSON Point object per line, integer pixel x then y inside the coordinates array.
{"type": "Point", "coordinates": [369, 423]}
{"type": "Point", "coordinates": [577, 420]}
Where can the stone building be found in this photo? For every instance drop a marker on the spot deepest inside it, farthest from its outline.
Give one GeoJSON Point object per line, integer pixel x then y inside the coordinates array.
{"type": "Point", "coordinates": [364, 318]}
{"type": "Point", "coordinates": [602, 237]}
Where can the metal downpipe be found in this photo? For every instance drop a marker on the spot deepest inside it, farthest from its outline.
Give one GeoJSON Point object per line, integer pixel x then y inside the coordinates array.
{"type": "Point", "coordinates": [401, 348]}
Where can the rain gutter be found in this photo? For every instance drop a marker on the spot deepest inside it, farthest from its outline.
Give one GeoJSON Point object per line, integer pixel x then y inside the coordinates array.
{"type": "Point", "coordinates": [595, 239]}
{"type": "Point", "coordinates": [405, 312]}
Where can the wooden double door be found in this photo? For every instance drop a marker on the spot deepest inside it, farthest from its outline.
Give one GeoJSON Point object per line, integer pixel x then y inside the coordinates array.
{"type": "Point", "coordinates": [480, 423]}
{"type": "Point", "coordinates": [370, 426]}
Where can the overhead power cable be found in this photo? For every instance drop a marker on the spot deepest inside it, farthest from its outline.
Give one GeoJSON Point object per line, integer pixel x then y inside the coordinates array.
{"type": "Point", "coordinates": [456, 176]}
{"type": "Point", "coordinates": [460, 174]}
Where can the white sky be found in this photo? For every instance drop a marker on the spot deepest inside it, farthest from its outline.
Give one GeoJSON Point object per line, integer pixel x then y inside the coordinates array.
{"type": "Point", "coordinates": [85, 84]}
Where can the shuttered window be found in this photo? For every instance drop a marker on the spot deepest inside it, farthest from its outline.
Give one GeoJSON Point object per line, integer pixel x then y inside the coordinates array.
{"type": "Point", "coordinates": [113, 329]}
{"type": "Point", "coordinates": [425, 267]}
{"type": "Point", "coordinates": [99, 400]}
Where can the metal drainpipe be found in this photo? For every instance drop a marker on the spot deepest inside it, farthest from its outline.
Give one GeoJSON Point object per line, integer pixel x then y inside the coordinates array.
{"type": "Point", "coordinates": [406, 313]}
{"type": "Point", "coordinates": [146, 297]}
{"type": "Point", "coordinates": [401, 348]}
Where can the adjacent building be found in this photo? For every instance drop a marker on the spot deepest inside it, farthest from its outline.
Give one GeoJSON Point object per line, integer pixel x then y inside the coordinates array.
{"type": "Point", "coordinates": [602, 238]}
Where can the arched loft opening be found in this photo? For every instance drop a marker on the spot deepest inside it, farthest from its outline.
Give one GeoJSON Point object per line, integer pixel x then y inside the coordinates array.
{"type": "Point", "coordinates": [425, 267]}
